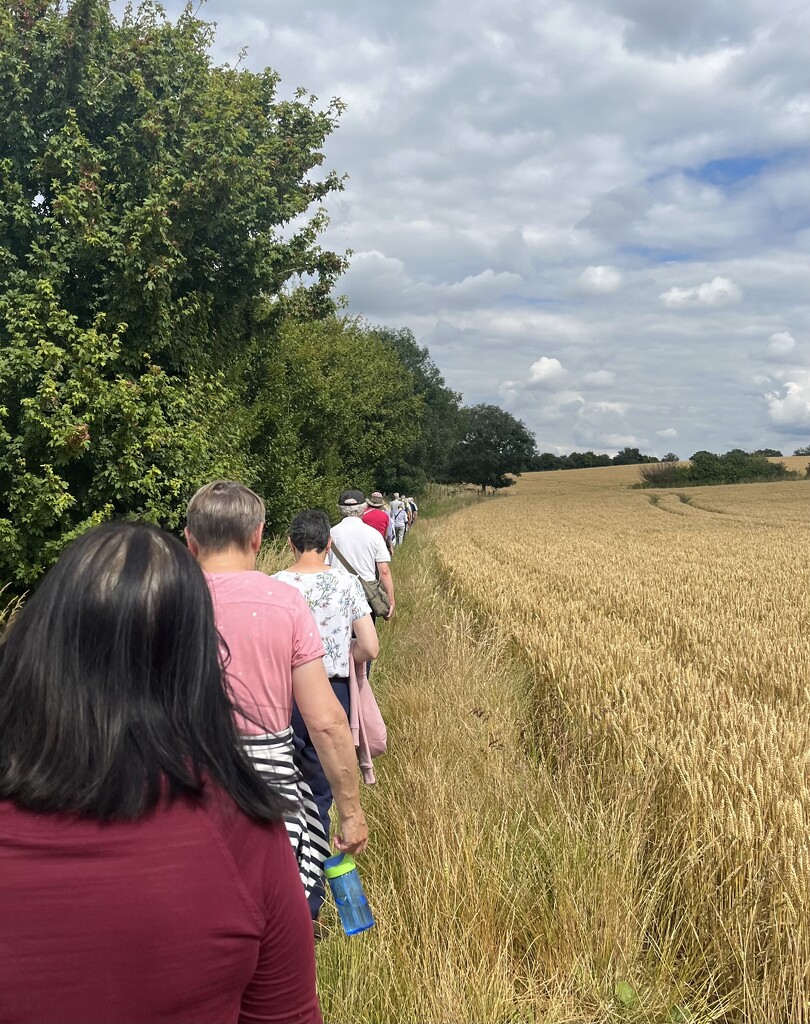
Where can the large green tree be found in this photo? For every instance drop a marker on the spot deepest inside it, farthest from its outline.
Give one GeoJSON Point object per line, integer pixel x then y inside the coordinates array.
{"type": "Point", "coordinates": [333, 401]}
{"type": "Point", "coordinates": [494, 446]}
{"type": "Point", "coordinates": [440, 421]}
{"type": "Point", "coordinates": [156, 212]}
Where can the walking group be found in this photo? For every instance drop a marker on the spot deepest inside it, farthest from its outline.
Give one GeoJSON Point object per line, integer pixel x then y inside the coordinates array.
{"type": "Point", "coordinates": [392, 520]}
{"type": "Point", "coordinates": [174, 728]}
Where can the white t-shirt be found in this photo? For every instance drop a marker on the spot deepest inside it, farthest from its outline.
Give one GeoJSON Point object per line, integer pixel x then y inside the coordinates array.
{"type": "Point", "coordinates": [398, 513]}
{"type": "Point", "coordinates": [336, 600]}
{"type": "Point", "coordinates": [361, 545]}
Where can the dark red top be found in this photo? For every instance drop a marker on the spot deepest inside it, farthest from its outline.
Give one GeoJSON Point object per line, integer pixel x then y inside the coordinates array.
{"type": "Point", "coordinates": [194, 915]}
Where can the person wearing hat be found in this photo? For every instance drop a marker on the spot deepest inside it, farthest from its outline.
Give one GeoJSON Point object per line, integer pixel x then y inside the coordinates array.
{"type": "Point", "coordinates": [399, 517]}
{"type": "Point", "coordinates": [377, 517]}
{"type": "Point", "coordinates": [361, 545]}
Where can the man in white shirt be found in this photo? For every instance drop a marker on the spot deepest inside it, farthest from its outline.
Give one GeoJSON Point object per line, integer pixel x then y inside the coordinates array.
{"type": "Point", "coordinates": [361, 545]}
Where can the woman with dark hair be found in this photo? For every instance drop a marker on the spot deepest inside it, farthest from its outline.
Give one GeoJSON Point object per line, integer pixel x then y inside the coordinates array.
{"type": "Point", "coordinates": [145, 873]}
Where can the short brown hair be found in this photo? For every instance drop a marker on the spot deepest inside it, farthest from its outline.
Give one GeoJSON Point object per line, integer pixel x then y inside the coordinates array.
{"type": "Point", "coordinates": [224, 514]}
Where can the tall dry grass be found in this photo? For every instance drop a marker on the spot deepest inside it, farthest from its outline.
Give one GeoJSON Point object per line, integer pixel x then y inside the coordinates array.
{"type": "Point", "coordinates": [670, 660]}
{"type": "Point", "coordinates": [8, 607]}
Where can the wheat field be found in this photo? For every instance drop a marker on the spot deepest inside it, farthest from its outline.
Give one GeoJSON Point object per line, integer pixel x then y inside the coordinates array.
{"type": "Point", "coordinates": [668, 639]}
{"type": "Point", "coordinates": [594, 806]}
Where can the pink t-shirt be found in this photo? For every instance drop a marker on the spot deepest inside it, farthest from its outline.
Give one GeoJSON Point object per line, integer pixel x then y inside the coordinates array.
{"type": "Point", "coordinates": [269, 630]}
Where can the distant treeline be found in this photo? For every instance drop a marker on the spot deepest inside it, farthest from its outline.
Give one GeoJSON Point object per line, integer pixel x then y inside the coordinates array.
{"type": "Point", "coordinates": [630, 457]}
{"type": "Point", "coordinates": [589, 460]}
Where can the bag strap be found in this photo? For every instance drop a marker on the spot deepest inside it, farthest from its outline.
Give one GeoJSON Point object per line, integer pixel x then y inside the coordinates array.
{"type": "Point", "coordinates": [346, 565]}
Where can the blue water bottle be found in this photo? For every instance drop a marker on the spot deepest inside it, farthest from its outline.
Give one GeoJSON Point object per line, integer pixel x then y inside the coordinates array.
{"type": "Point", "coordinates": [347, 889]}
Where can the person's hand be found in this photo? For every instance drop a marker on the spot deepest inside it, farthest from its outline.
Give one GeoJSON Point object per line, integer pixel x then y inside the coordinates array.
{"type": "Point", "coordinates": [390, 614]}
{"type": "Point", "coordinates": [352, 836]}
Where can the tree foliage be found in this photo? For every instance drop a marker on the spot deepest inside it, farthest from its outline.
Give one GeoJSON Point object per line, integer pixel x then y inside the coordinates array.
{"type": "Point", "coordinates": [440, 422]}
{"type": "Point", "coordinates": [335, 402]}
{"type": "Point", "coordinates": [494, 445]}
{"type": "Point", "coordinates": [590, 460]}
{"type": "Point", "coordinates": [146, 199]}
{"type": "Point", "coordinates": [82, 441]}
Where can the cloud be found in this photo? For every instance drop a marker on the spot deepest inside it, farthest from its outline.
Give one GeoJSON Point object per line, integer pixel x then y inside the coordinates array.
{"type": "Point", "coordinates": [614, 183]}
{"type": "Point", "coordinates": [600, 280]}
{"type": "Point", "coordinates": [667, 432]}
{"type": "Point", "coordinates": [558, 407]}
{"type": "Point", "coordinates": [545, 369]}
{"type": "Point", "coordinates": [790, 409]}
{"type": "Point", "coordinates": [619, 408]}
{"type": "Point", "coordinates": [781, 343]}
{"type": "Point", "coordinates": [688, 27]}
{"type": "Point", "coordinates": [620, 441]}
{"type": "Point", "coordinates": [615, 214]}
{"type": "Point", "coordinates": [599, 378]}
{"type": "Point", "coordinates": [373, 276]}
{"type": "Point", "coordinates": [603, 425]}
{"type": "Point", "coordinates": [720, 291]}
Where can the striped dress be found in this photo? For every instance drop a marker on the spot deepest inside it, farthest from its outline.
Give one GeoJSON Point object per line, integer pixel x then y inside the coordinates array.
{"type": "Point", "coordinates": [273, 756]}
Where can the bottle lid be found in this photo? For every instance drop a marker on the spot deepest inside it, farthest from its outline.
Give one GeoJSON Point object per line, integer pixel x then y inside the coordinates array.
{"type": "Point", "coordinates": [341, 864]}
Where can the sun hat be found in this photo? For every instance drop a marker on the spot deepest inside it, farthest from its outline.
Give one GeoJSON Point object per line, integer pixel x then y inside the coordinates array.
{"type": "Point", "coordinates": [375, 499]}
{"type": "Point", "coordinates": [352, 498]}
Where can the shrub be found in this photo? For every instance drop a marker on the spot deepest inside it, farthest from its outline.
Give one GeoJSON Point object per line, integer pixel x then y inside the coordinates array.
{"type": "Point", "coordinates": [661, 474]}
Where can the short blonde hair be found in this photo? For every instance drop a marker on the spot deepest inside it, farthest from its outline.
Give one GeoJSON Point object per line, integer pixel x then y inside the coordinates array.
{"type": "Point", "coordinates": [224, 514]}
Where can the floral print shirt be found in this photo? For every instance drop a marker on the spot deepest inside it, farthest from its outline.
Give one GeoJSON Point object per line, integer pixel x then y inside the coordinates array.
{"type": "Point", "coordinates": [336, 599]}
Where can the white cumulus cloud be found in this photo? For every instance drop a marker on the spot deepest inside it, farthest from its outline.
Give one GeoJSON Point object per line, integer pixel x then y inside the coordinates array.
{"type": "Point", "coordinates": [720, 291]}
{"type": "Point", "coordinates": [546, 368]}
{"type": "Point", "coordinates": [781, 343]}
{"type": "Point", "coordinates": [667, 432]}
{"type": "Point", "coordinates": [790, 408]}
{"type": "Point", "coordinates": [600, 280]}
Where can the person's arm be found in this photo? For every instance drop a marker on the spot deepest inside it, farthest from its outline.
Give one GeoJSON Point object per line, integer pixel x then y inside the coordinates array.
{"type": "Point", "coordinates": [368, 643]}
{"type": "Point", "coordinates": [329, 731]}
{"type": "Point", "coordinates": [387, 581]}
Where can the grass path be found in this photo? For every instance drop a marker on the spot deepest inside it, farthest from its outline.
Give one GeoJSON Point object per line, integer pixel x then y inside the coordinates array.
{"type": "Point", "coordinates": [442, 949]}
{"type": "Point", "coordinates": [480, 871]}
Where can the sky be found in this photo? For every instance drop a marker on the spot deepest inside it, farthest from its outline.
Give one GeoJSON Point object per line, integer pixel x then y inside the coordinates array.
{"type": "Point", "coordinates": [595, 213]}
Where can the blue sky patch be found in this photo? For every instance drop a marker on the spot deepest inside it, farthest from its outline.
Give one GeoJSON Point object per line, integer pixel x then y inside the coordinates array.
{"type": "Point", "coordinates": [655, 254]}
{"type": "Point", "coordinates": [728, 172]}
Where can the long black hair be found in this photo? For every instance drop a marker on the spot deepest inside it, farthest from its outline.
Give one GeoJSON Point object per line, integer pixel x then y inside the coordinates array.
{"type": "Point", "coordinates": [112, 689]}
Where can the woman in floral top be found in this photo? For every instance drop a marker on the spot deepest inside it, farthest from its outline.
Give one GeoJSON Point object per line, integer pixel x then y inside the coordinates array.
{"type": "Point", "coordinates": [341, 611]}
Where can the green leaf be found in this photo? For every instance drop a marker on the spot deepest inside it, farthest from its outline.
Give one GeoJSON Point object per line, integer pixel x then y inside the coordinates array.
{"type": "Point", "coordinates": [626, 995]}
